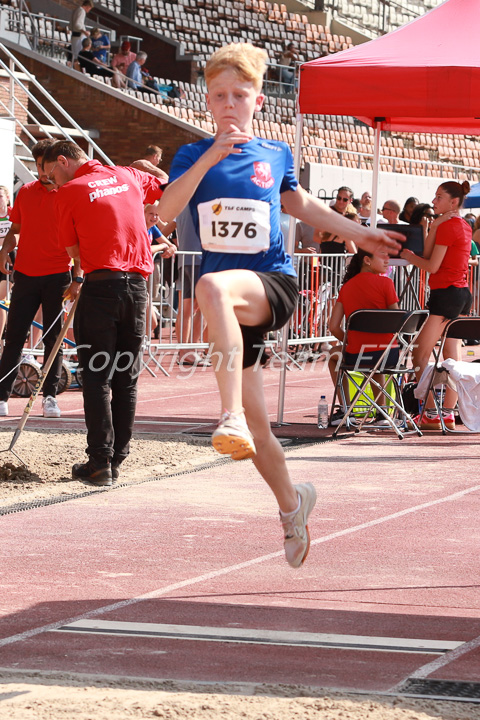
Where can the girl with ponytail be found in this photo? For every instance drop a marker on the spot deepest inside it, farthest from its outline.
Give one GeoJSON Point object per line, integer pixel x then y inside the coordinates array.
{"type": "Point", "coordinates": [365, 287]}
{"type": "Point", "coordinates": [446, 255]}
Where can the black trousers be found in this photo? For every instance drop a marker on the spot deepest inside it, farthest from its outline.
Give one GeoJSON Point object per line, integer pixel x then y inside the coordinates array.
{"type": "Point", "coordinates": [28, 294]}
{"type": "Point", "coordinates": [109, 329]}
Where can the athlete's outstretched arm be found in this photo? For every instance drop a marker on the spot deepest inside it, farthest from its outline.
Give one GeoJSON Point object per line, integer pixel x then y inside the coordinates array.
{"type": "Point", "coordinates": [305, 207]}
{"type": "Point", "coordinates": [178, 194]}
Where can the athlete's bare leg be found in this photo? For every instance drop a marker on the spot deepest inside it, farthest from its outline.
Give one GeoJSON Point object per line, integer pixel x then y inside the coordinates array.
{"type": "Point", "coordinates": [270, 458]}
{"type": "Point", "coordinates": [228, 299]}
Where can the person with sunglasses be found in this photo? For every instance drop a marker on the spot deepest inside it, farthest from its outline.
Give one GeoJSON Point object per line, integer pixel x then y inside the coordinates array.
{"type": "Point", "coordinates": [423, 215]}
{"type": "Point", "coordinates": [390, 213]}
{"type": "Point", "coordinates": [330, 243]}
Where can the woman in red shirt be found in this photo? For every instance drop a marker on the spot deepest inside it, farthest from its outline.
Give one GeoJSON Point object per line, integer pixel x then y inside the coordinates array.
{"type": "Point", "coordinates": [446, 254]}
{"type": "Point", "coordinates": [365, 287]}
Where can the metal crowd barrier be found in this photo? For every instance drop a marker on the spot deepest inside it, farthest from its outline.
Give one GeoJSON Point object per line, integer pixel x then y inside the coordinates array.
{"type": "Point", "coordinates": [320, 278]}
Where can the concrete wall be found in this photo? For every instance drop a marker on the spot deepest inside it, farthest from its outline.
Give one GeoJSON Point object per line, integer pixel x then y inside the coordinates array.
{"type": "Point", "coordinates": [392, 186]}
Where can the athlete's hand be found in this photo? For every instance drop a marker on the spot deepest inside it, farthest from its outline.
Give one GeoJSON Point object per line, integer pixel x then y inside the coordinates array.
{"type": "Point", "coordinates": [224, 144]}
{"type": "Point", "coordinates": [375, 241]}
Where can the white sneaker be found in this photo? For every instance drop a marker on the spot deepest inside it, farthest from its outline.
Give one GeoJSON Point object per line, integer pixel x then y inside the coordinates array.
{"type": "Point", "coordinates": [232, 437]}
{"type": "Point", "coordinates": [3, 408]}
{"type": "Point", "coordinates": [297, 537]}
{"type": "Point", "coordinates": [50, 407]}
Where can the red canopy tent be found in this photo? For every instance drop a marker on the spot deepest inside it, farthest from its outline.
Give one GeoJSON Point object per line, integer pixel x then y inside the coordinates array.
{"type": "Point", "coordinates": [423, 76]}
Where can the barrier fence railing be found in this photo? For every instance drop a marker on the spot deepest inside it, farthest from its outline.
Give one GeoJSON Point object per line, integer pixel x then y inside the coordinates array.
{"type": "Point", "coordinates": [181, 329]}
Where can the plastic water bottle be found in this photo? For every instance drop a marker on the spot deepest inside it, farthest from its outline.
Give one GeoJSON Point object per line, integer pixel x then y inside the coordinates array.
{"type": "Point", "coordinates": [322, 413]}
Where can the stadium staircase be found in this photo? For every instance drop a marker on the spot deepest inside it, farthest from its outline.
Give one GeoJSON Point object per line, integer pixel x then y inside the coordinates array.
{"type": "Point", "coordinates": [25, 101]}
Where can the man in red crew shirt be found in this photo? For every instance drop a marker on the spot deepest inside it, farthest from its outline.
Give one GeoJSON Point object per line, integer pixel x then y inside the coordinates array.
{"type": "Point", "coordinates": [101, 221]}
{"type": "Point", "coordinates": [42, 278]}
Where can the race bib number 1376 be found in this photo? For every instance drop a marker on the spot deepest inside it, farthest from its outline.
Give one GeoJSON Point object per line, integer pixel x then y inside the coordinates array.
{"type": "Point", "coordinates": [232, 225]}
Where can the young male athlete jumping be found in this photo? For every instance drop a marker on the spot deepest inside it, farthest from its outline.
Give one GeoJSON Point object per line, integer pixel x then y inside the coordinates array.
{"type": "Point", "coordinates": [233, 184]}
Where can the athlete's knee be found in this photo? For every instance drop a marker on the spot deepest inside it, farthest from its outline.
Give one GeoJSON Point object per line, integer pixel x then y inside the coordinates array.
{"type": "Point", "coordinates": [210, 291]}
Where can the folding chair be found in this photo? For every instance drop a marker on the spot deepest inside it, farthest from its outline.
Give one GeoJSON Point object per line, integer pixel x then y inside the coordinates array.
{"type": "Point", "coordinates": [462, 328]}
{"type": "Point", "coordinates": [404, 327]}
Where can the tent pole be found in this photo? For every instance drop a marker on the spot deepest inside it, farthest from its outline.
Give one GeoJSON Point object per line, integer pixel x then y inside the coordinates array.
{"type": "Point", "coordinates": [376, 167]}
{"type": "Point", "coordinates": [297, 156]}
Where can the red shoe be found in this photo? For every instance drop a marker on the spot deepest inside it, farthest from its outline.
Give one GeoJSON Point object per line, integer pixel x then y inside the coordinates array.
{"type": "Point", "coordinates": [428, 423]}
{"type": "Point", "coordinates": [449, 421]}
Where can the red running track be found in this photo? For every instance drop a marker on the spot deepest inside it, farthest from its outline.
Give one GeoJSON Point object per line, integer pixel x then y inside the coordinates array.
{"type": "Point", "coordinates": [184, 577]}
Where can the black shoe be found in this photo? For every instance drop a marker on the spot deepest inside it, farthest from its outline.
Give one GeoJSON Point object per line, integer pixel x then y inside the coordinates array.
{"type": "Point", "coordinates": [93, 472]}
{"type": "Point", "coordinates": [337, 417]}
{"type": "Point", "coordinates": [115, 465]}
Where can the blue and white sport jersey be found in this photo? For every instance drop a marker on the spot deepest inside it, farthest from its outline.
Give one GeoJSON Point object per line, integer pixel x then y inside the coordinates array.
{"type": "Point", "coordinates": [236, 207]}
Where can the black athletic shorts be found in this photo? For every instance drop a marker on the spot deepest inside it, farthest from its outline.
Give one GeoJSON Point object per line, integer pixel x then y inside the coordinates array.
{"type": "Point", "coordinates": [282, 294]}
{"type": "Point", "coordinates": [450, 302]}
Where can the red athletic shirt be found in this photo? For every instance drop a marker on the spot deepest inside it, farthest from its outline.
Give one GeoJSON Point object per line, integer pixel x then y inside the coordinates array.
{"type": "Point", "coordinates": [102, 210]}
{"type": "Point", "coordinates": [456, 234]}
{"type": "Point", "coordinates": [38, 250]}
{"type": "Point", "coordinates": [367, 291]}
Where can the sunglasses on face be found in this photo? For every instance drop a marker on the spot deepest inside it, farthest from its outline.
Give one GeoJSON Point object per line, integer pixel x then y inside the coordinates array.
{"type": "Point", "coordinates": [343, 199]}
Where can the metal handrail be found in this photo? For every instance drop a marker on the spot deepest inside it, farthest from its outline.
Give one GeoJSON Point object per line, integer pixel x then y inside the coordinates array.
{"type": "Point", "coordinates": [32, 79]}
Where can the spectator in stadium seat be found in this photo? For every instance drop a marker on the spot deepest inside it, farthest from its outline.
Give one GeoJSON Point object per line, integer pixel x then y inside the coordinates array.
{"type": "Point", "coordinates": [136, 77]}
{"type": "Point", "coordinates": [123, 58]}
{"type": "Point", "coordinates": [150, 161]}
{"type": "Point", "coordinates": [287, 60]}
{"type": "Point", "coordinates": [77, 26]}
{"type": "Point", "coordinates": [93, 66]}
{"type": "Point", "coordinates": [408, 208]}
{"type": "Point", "coordinates": [100, 45]}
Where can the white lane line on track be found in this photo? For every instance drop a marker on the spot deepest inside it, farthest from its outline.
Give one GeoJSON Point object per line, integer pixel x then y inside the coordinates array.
{"type": "Point", "coordinates": [425, 670]}
{"type": "Point", "coordinates": [260, 636]}
{"type": "Point", "coordinates": [173, 587]}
